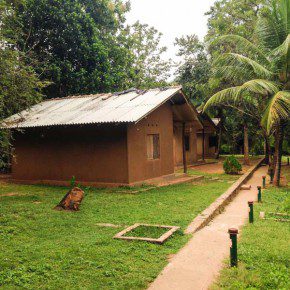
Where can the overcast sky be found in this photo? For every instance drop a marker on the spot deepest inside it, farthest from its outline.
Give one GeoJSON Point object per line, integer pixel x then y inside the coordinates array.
{"type": "Point", "coordinates": [173, 18]}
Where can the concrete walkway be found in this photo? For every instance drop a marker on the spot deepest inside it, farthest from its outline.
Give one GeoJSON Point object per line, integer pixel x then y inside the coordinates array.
{"type": "Point", "coordinates": [197, 265]}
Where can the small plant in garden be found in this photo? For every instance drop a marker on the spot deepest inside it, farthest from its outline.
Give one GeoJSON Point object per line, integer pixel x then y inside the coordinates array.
{"type": "Point", "coordinates": [73, 182]}
{"type": "Point", "coordinates": [232, 166]}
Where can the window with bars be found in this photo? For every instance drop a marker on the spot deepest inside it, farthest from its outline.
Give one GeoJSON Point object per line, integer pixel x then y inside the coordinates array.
{"type": "Point", "coordinates": [153, 146]}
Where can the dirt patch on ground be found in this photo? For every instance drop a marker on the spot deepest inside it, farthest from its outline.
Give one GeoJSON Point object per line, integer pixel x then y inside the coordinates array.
{"type": "Point", "coordinates": [284, 180]}
{"type": "Point", "coordinates": [209, 168]}
{"type": "Point", "coordinates": [11, 194]}
{"type": "Point", "coordinates": [217, 168]}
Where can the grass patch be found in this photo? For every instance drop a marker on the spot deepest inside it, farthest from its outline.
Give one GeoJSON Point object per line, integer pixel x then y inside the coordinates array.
{"type": "Point", "coordinates": [264, 251]}
{"type": "Point", "coordinates": [213, 176]}
{"type": "Point", "coordinates": [146, 232]}
{"type": "Point", "coordinates": [274, 215]}
{"type": "Point", "coordinates": [41, 248]}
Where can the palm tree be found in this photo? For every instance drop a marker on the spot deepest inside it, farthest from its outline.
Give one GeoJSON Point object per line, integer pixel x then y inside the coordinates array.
{"type": "Point", "coordinates": [265, 64]}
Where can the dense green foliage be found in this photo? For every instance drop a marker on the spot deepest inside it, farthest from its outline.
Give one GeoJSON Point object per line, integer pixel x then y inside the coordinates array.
{"type": "Point", "coordinates": [20, 86]}
{"type": "Point", "coordinates": [261, 70]}
{"type": "Point", "coordinates": [149, 68]}
{"type": "Point", "coordinates": [233, 17]}
{"type": "Point", "coordinates": [194, 73]}
{"type": "Point", "coordinates": [263, 249]}
{"type": "Point", "coordinates": [231, 165]}
{"type": "Point", "coordinates": [83, 46]}
{"type": "Point", "coordinates": [201, 80]}
{"type": "Point", "coordinates": [77, 44]}
{"type": "Point", "coordinates": [43, 248]}
{"type": "Point", "coordinates": [225, 17]}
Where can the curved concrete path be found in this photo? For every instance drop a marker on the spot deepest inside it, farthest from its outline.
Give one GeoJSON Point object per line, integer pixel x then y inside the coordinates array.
{"type": "Point", "coordinates": [197, 265]}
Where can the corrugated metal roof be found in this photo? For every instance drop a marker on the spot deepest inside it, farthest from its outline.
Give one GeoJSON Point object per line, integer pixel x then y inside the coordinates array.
{"type": "Point", "coordinates": [128, 106]}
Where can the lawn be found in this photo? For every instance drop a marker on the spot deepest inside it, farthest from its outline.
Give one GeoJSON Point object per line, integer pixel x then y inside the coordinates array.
{"type": "Point", "coordinates": [44, 248]}
{"type": "Point", "coordinates": [264, 250]}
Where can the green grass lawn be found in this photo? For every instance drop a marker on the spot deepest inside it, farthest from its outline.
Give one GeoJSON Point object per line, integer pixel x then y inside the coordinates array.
{"type": "Point", "coordinates": [264, 249]}
{"type": "Point", "coordinates": [285, 158]}
{"type": "Point", "coordinates": [41, 248]}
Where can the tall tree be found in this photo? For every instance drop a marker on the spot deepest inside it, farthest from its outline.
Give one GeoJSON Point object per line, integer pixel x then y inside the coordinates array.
{"type": "Point", "coordinates": [267, 71]}
{"type": "Point", "coordinates": [194, 72]}
{"type": "Point", "coordinates": [20, 86]}
{"type": "Point", "coordinates": [150, 68]}
{"type": "Point", "coordinates": [77, 43]}
{"type": "Point", "coordinates": [225, 17]}
{"type": "Point", "coordinates": [231, 17]}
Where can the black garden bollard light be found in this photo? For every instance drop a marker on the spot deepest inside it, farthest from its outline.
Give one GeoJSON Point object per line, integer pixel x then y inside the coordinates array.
{"type": "Point", "coordinates": [234, 248]}
{"type": "Point", "coordinates": [251, 211]}
{"type": "Point", "coordinates": [259, 193]}
{"type": "Point", "coordinates": [264, 181]}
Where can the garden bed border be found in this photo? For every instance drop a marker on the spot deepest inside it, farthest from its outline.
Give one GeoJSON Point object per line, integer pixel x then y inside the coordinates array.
{"type": "Point", "coordinates": [160, 240]}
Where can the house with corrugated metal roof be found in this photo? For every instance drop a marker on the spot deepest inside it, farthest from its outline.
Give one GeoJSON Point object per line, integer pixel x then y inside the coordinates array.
{"type": "Point", "coordinates": [111, 139]}
{"type": "Point", "coordinates": [207, 137]}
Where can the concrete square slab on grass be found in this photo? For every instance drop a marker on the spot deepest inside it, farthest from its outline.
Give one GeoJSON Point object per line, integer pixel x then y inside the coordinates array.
{"type": "Point", "coordinates": [160, 240]}
{"type": "Point", "coordinates": [108, 225]}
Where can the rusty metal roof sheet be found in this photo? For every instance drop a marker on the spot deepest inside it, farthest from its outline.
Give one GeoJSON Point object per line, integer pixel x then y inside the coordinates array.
{"type": "Point", "coordinates": [128, 106]}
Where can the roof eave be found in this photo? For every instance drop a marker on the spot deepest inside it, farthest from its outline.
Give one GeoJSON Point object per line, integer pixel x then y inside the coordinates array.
{"type": "Point", "coordinates": [159, 105]}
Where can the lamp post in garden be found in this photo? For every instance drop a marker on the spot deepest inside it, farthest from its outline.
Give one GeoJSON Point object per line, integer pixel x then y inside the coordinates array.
{"type": "Point", "coordinates": [259, 193]}
{"type": "Point", "coordinates": [264, 181]}
{"type": "Point", "coordinates": [251, 211]}
{"type": "Point", "coordinates": [234, 248]}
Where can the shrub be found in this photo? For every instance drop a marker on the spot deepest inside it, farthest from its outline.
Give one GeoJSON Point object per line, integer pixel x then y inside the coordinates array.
{"type": "Point", "coordinates": [257, 149]}
{"type": "Point", "coordinates": [225, 149]}
{"type": "Point", "coordinates": [232, 166]}
{"type": "Point", "coordinates": [73, 182]}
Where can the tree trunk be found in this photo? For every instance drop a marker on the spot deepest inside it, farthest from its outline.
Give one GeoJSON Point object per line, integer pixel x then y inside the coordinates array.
{"type": "Point", "coordinates": [278, 154]}
{"type": "Point", "coordinates": [184, 149]}
{"type": "Point", "coordinates": [267, 150]}
{"type": "Point", "coordinates": [246, 145]}
{"type": "Point", "coordinates": [219, 135]}
{"type": "Point", "coordinates": [203, 144]}
{"type": "Point", "coordinates": [219, 142]}
{"type": "Point", "coordinates": [276, 148]}
{"type": "Point", "coordinates": [72, 200]}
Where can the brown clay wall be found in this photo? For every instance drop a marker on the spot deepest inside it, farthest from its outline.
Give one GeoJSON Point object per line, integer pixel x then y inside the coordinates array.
{"type": "Point", "coordinates": [208, 151]}
{"type": "Point", "coordinates": [191, 155]}
{"type": "Point", "coordinates": [199, 145]}
{"type": "Point", "coordinates": [211, 151]}
{"type": "Point", "coordinates": [159, 122]}
{"type": "Point", "coordinates": [178, 157]}
{"type": "Point", "coordinates": [90, 153]}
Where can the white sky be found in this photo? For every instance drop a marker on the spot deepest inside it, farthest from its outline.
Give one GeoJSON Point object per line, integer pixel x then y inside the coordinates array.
{"type": "Point", "coordinates": [173, 18]}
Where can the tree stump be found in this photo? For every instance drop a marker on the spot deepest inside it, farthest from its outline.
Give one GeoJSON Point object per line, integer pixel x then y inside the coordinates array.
{"type": "Point", "coordinates": [72, 200]}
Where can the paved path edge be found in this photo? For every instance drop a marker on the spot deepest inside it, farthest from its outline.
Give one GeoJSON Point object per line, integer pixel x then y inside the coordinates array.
{"type": "Point", "coordinates": [219, 204]}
